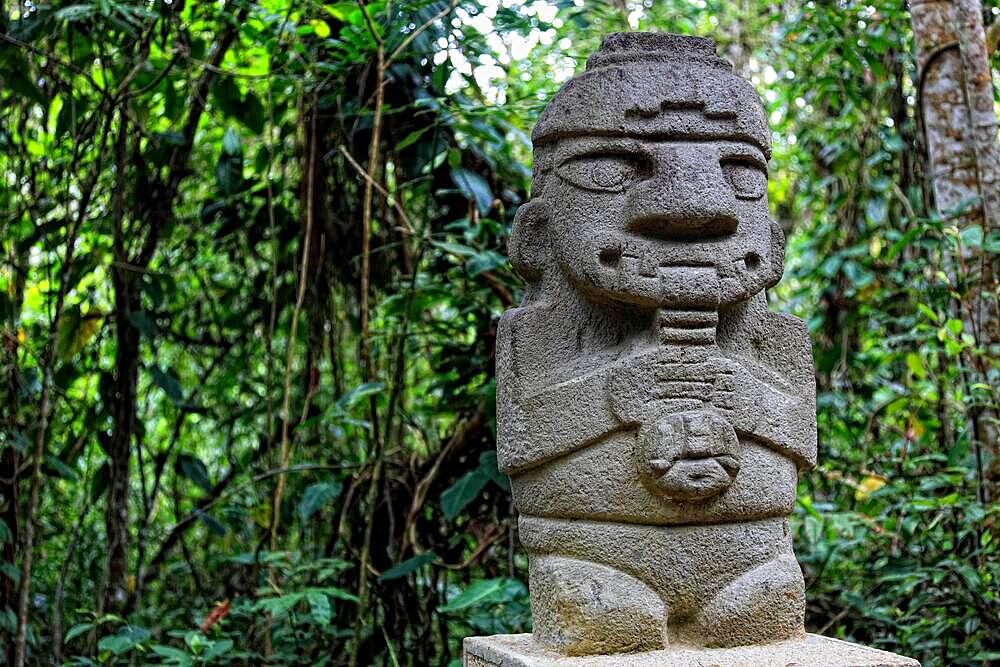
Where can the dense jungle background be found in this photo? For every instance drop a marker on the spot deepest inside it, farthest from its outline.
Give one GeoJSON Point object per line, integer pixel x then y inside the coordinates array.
{"type": "Point", "coordinates": [253, 263]}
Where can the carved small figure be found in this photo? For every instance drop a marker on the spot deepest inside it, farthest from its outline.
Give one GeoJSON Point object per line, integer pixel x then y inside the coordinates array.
{"type": "Point", "coordinates": [653, 414]}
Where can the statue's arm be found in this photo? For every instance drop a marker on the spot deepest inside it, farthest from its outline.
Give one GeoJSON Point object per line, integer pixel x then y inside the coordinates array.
{"type": "Point", "coordinates": [535, 425]}
{"type": "Point", "coordinates": [772, 402]}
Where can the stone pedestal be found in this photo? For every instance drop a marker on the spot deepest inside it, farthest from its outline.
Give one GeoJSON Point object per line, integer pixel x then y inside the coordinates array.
{"type": "Point", "coordinates": [810, 651]}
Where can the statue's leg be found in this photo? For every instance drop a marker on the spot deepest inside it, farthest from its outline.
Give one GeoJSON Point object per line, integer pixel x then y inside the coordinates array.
{"type": "Point", "coordinates": [584, 608]}
{"type": "Point", "coordinates": [636, 587]}
{"type": "Point", "coordinates": [764, 604]}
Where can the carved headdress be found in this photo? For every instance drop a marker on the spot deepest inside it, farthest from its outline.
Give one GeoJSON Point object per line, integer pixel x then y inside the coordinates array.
{"type": "Point", "coordinates": [674, 87]}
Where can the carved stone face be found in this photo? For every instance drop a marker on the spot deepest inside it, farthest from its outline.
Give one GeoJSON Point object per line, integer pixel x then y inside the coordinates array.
{"type": "Point", "coordinates": [651, 180]}
{"type": "Point", "coordinates": [661, 223]}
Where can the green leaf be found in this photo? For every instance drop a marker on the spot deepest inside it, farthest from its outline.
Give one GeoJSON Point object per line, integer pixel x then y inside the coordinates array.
{"type": "Point", "coordinates": [60, 469]}
{"type": "Point", "coordinates": [455, 248]}
{"type": "Point", "coordinates": [359, 392]}
{"type": "Point", "coordinates": [75, 12]}
{"type": "Point", "coordinates": [231, 142]}
{"type": "Point", "coordinates": [100, 481]}
{"type": "Point", "coordinates": [217, 649]}
{"type": "Point", "coordinates": [407, 566]}
{"type": "Point", "coordinates": [251, 557]}
{"type": "Point", "coordinates": [19, 441]}
{"type": "Point", "coordinates": [486, 590]}
{"type": "Point", "coordinates": [413, 137]}
{"type": "Point", "coordinates": [316, 496]}
{"type": "Point", "coordinates": [71, 116]}
{"type": "Point", "coordinates": [319, 607]}
{"type": "Point", "coordinates": [10, 571]}
{"type": "Point", "coordinates": [875, 211]}
{"type": "Point", "coordinates": [491, 469]}
{"type": "Point", "coordinates": [167, 381]}
{"type": "Point", "coordinates": [931, 315]}
{"type": "Point", "coordinates": [462, 492]}
{"type": "Point", "coordinates": [229, 174]}
{"type": "Point", "coordinates": [254, 115]}
{"type": "Point", "coordinates": [456, 497]}
{"type": "Point", "coordinates": [195, 470]}
{"type": "Point", "coordinates": [124, 640]}
{"type": "Point", "coordinates": [212, 524]}
{"type": "Point", "coordinates": [175, 655]}
{"type": "Point", "coordinates": [972, 236]}
{"type": "Point", "coordinates": [916, 365]}
{"type": "Point", "coordinates": [226, 96]}
{"type": "Point", "coordinates": [474, 187]}
{"type": "Point", "coordinates": [78, 630]}
{"type": "Point", "coordinates": [485, 261]}
{"type": "Point", "coordinates": [140, 320]}
{"type": "Point", "coordinates": [338, 593]}
{"type": "Point", "coordinates": [279, 605]}
{"type": "Point", "coordinates": [5, 535]}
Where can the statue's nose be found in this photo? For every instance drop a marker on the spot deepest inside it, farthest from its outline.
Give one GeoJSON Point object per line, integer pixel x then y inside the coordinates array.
{"type": "Point", "coordinates": [688, 198]}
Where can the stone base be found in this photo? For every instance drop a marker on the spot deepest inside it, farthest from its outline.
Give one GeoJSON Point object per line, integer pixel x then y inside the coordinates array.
{"type": "Point", "coordinates": [810, 651]}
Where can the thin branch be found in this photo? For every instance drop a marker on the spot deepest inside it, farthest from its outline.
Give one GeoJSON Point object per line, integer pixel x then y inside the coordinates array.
{"type": "Point", "coordinates": [371, 26]}
{"type": "Point", "coordinates": [290, 351]}
{"type": "Point", "coordinates": [413, 35]}
{"type": "Point", "coordinates": [385, 193]}
{"type": "Point", "coordinates": [51, 56]}
{"type": "Point", "coordinates": [374, 449]}
{"type": "Point", "coordinates": [57, 636]}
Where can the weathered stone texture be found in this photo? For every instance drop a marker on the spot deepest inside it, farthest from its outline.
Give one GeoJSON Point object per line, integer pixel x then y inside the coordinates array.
{"type": "Point", "coordinates": [808, 651]}
{"type": "Point", "coordinates": [653, 414]}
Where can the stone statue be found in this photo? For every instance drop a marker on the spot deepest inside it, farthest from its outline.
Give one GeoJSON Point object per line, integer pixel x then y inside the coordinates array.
{"type": "Point", "coordinates": [653, 414]}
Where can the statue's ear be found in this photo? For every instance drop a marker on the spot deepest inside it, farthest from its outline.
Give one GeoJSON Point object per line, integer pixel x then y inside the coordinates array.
{"type": "Point", "coordinates": [528, 243]}
{"type": "Point", "coordinates": [777, 253]}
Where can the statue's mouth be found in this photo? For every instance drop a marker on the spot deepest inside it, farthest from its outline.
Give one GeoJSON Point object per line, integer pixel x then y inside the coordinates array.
{"type": "Point", "coordinates": [688, 275]}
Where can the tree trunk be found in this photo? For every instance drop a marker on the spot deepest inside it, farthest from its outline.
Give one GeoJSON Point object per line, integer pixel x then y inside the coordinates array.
{"type": "Point", "coordinates": [960, 123]}
{"type": "Point", "coordinates": [120, 444]}
{"type": "Point", "coordinates": [123, 411]}
{"type": "Point", "coordinates": [9, 461]}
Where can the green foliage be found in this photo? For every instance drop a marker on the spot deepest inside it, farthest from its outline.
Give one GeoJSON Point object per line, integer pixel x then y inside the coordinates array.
{"type": "Point", "coordinates": [309, 477]}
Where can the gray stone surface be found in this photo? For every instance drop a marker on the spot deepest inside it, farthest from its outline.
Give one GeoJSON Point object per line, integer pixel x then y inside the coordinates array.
{"type": "Point", "coordinates": [808, 651]}
{"type": "Point", "coordinates": [653, 414]}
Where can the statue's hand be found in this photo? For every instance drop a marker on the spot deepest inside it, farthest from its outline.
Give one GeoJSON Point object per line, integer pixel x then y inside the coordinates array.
{"type": "Point", "coordinates": [739, 389]}
{"type": "Point", "coordinates": [730, 384]}
{"type": "Point", "coordinates": [660, 380]}
{"type": "Point", "coordinates": [632, 385]}
{"type": "Point", "coordinates": [699, 380]}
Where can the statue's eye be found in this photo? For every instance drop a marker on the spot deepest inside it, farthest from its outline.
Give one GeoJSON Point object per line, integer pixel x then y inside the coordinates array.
{"type": "Point", "coordinates": [604, 173]}
{"type": "Point", "coordinates": [748, 180]}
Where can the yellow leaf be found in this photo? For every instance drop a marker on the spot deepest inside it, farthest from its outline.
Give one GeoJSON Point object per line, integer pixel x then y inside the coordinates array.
{"type": "Point", "coordinates": [320, 28]}
{"type": "Point", "coordinates": [916, 365]}
{"type": "Point", "coordinates": [75, 330]}
{"type": "Point", "coordinates": [875, 246]}
{"type": "Point", "coordinates": [262, 514]}
{"type": "Point", "coordinates": [868, 486]}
